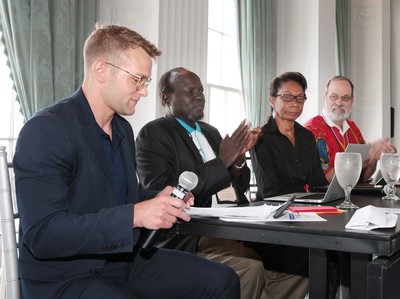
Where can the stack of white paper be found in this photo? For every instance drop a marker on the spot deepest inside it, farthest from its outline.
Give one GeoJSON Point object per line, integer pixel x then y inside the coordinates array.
{"type": "Point", "coordinates": [261, 213]}
{"type": "Point", "coordinates": [252, 212]}
{"type": "Point", "coordinates": [370, 217]}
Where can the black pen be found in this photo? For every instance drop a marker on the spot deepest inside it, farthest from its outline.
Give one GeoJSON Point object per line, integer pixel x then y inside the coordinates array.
{"type": "Point", "coordinates": [282, 208]}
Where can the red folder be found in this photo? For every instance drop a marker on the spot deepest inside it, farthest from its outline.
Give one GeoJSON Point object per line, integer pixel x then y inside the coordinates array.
{"type": "Point", "coordinates": [315, 209]}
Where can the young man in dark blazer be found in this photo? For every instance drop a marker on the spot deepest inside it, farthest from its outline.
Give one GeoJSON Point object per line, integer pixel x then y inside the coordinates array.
{"type": "Point", "coordinates": [81, 206]}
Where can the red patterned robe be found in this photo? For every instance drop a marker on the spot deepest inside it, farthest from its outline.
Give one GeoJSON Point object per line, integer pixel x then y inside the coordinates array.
{"type": "Point", "coordinates": [329, 140]}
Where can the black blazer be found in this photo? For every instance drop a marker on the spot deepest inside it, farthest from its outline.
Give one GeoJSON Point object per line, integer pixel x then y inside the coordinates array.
{"type": "Point", "coordinates": [165, 150]}
{"type": "Point", "coordinates": [70, 220]}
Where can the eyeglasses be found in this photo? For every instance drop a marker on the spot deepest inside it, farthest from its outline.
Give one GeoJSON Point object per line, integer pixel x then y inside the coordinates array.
{"type": "Point", "coordinates": [141, 82]}
{"type": "Point", "coordinates": [290, 98]}
{"type": "Point", "coordinates": [334, 97]}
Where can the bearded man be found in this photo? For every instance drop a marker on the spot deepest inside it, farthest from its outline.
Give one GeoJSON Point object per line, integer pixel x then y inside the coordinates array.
{"type": "Point", "coordinates": [333, 131]}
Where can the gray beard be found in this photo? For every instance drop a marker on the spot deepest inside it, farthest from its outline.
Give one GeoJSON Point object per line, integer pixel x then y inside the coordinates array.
{"type": "Point", "coordinates": [338, 117]}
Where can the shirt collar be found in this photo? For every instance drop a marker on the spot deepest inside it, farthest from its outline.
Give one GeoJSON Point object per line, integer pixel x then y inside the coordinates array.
{"type": "Point", "coordinates": [117, 132]}
{"type": "Point", "coordinates": [188, 128]}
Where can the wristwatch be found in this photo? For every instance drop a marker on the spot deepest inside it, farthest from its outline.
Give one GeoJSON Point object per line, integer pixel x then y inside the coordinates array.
{"type": "Point", "coordinates": [241, 165]}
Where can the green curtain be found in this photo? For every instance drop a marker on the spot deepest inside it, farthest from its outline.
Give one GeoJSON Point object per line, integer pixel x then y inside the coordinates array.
{"type": "Point", "coordinates": [44, 41]}
{"type": "Point", "coordinates": [343, 37]}
{"type": "Point", "coordinates": [257, 53]}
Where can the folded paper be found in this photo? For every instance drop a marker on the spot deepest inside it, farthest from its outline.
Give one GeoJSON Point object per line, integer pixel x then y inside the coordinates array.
{"type": "Point", "coordinates": [370, 217]}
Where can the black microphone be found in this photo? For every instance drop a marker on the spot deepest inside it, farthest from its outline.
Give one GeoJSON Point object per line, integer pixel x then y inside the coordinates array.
{"type": "Point", "coordinates": [187, 181]}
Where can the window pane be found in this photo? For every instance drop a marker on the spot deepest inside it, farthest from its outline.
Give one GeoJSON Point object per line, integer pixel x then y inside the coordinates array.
{"type": "Point", "coordinates": [217, 108]}
{"type": "Point", "coordinates": [215, 12]}
{"type": "Point", "coordinates": [226, 108]}
{"type": "Point", "coordinates": [214, 69]}
{"type": "Point", "coordinates": [234, 110]}
{"type": "Point", "coordinates": [223, 59]}
{"type": "Point", "coordinates": [229, 18]}
{"type": "Point", "coordinates": [231, 74]}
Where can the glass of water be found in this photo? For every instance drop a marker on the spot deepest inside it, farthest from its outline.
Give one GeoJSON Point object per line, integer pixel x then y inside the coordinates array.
{"type": "Point", "coordinates": [390, 169]}
{"type": "Point", "coordinates": [347, 170]}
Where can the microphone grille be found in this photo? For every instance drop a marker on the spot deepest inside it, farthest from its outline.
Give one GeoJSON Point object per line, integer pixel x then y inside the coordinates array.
{"type": "Point", "coordinates": [188, 180]}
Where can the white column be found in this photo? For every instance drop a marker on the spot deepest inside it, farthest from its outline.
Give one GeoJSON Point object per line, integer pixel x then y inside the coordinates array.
{"type": "Point", "coordinates": [306, 43]}
{"type": "Point", "coordinates": [370, 67]}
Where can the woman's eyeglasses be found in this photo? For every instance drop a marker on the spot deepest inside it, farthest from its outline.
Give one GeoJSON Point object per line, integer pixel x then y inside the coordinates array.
{"type": "Point", "coordinates": [290, 98]}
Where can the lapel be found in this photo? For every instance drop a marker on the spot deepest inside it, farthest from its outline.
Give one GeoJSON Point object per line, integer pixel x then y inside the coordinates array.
{"type": "Point", "coordinates": [187, 139]}
{"type": "Point", "coordinates": [91, 130]}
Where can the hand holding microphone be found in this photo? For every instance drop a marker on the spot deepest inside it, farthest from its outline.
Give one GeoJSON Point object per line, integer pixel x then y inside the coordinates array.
{"type": "Point", "coordinates": [187, 182]}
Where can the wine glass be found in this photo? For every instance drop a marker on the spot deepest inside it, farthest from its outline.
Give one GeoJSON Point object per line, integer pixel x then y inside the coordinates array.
{"type": "Point", "coordinates": [347, 170]}
{"type": "Point", "coordinates": [390, 168]}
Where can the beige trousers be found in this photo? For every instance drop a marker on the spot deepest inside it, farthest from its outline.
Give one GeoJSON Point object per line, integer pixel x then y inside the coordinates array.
{"type": "Point", "coordinates": [286, 270]}
{"type": "Point", "coordinates": [245, 261]}
{"type": "Point", "coordinates": [257, 281]}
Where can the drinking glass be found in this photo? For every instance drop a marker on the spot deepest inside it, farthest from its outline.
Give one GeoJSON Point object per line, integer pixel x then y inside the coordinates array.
{"type": "Point", "coordinates": [390, 168]}
{"type": "Point", "coordinates": [347, 170]}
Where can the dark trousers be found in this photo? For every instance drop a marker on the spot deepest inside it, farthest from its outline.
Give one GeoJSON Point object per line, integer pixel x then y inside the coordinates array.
{"type": "Point", "coordinates": [164, 274]}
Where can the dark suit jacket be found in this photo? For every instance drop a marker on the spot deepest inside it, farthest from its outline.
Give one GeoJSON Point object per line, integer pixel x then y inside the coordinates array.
{"type": "Point", "coordinates": [165, 150]}
{"type": "Point", "coordinates": [70, 220]}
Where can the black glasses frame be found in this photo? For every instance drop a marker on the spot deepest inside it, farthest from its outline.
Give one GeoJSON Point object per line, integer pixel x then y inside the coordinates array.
{"type": "Point", "coordinates": [290, 98]}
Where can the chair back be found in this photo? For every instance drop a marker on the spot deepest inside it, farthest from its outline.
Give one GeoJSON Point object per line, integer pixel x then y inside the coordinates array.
{"type": "Point", "coordinates": [8, 233]}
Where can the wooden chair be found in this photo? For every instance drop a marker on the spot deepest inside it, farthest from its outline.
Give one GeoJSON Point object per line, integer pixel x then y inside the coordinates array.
{"type": "Point", "coordinates": [8, 231]}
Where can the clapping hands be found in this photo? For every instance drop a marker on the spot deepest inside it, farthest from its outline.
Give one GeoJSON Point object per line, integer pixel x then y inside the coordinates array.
{"type": "Point", "coordinates": [252, 139]}
{"type": "Point", "coordinates": [380, 146]}
{"type": "Point", "coordinates": [233, 147]}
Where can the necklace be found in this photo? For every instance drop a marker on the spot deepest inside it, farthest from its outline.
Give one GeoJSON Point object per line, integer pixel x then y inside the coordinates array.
{"type": "Point", "coordinates": [343, 144]}
{"type": "Point", "coordinates": [345, 136]}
